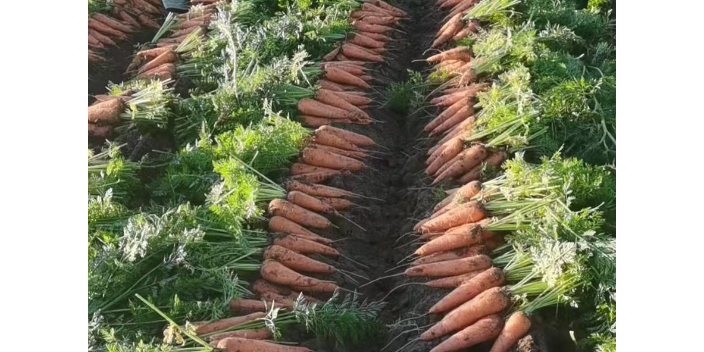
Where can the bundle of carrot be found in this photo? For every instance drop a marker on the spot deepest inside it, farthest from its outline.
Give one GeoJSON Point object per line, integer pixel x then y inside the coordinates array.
{"type": "Point", "coordinates": [127, 16]}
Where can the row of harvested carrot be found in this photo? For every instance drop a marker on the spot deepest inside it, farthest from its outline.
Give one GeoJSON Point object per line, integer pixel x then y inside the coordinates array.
{"type": "Point", "coordinates": [106, 31]}
{"type": "Point", "coordinates": [455, 253]}
{"type": "Point", "coordinates": [331, 152]}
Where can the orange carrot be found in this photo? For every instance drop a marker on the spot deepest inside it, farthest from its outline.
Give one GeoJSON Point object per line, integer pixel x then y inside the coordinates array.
{"type": "Point", "coordinates": [238, 344]}
{"type": "Point", "coordinates": [450, 267]}
{"type": "Point", "coordinates": [227, 323]}
{"type": "Point", "coordinates": [331, 55]}
{"type": "Point", "coordinates": [379, 19]}
{"type": "Point", "coordinates": [317, 177]}
{"type": "Point", "coordinates": [368, 6]}
{"type": "Point", "coordinates": [461, 214]}
{"type": "Point", "coordinates": [517, 326]}
{"type": "Point", "coordinates": [113, 23]}
{"type": "Point", "coordinates": [303, 168]}
{"type": "Point", "coordinates": [338, 151]}
{"type": "Point", "coordinates": [337, 203]}
{"type": "Point", "coordinates": [463, 193]}
{"type": "Point", "coordinates": [295, 261]}
{"type": "Point", "coordinates": [319, 157]}
{"type": "Point", "coordinates": [103, 39]}
{"type": "Point", "coordinates": [395, 11]}
{"type": "Point", "coordinates": [304, 246]}
{"type": "Point", "coordinates": [125, 16]}
{"type": "Point", "coordinates": [465, 92]}
{"type": "Point", "coordinates": [167, 57]}
{"type": "Point", "coordinates": [309, 202]}
{"type": "Point", "coordinates": [330, 98]}
{"type": "Point", "coordinates": [452, 281]}
{"type": "Point", "coordinates": [457, 237]}
{"type": "Point", "coordinates": [465, 113]}
{"type": "Point", "coordinates": [356, 138]}
{"type": "Point", "coordinates": [276, 272]}
{"type": "Point", "coordinates": [484, 329]}
{"type": "Point", "coordinates": [93, 57]}
{"type": "Point", "coordinates": [454, 26]}
{"type": "Point", "coordinates": [471, 27]}
{"type": "Point", "coordinates": [106, 30]}
{"type": "Point", "coordinates": [446, 114]}
{"type": "Point", "coordinates": [491, 301]}
{"type": "Point", "coordinates": [279, 224]}
{"type": "Point", "coordinates": [315, 121]}
{"type": "Point", "coordinates": [146, 7]}
{"type": "Point", "coordinates": [448, 152]}
{"type": "Point", "coordinates": [298, 214]}
{"type": "Point", "coordinates": [459, 53]}
{"type": "Point", "coordinates": [356, 52]}
{"type": "Point", "coordinates": [311, 107]}
{"type": "Point", "coordinates": [317, 190]}
{"type": "Point", "coordinates": [101, 132]}
{"type": "Point", "coordinates": [492, 277]}
{"type": "Point", "coordinates": [147, 22]}
{"type": "Point", "coordinates": [246, 306]}
{"type": "Point", "coordinates": [354, 99]}
{"type": "Point", "coordinates": [469, 159]}
{"type": "Point", "coordinates": [461, 7]}
{"type": "Point", "coordinates": [94, 42]}
{"type": "Point", "coordinates": [163, 72]}
{"type": "Point", "coordinates": [462, 130]}
{"type": "Point", "coordinates": [327, 137]}
{"type": "Point", "coordinates": [351, 69]}
{"type": "Point", "coordinates": [451, 255]}
{"type": "Point", "coordinates": [376, 36]}
{"type": "Point", "coordinates": [106, 112]}
{"type": "Point", "coordinates": [252, 334]}
{"type": "Point", "coordinates": [365, 41]}
{"type": "Point", "coordinates": [493, 160]}
{"type": "Point", "coordinates": [335, 74]}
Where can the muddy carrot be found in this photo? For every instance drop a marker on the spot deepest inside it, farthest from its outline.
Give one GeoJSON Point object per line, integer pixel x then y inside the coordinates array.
{"type": "Point", "coordinates": [457, 237]}
{"type": "Point", "coordinates": [106, 112]}
{"type": "Point", "coordinates": [354, 99]}
{"type": "Point", "coordinates": [463, 114]}
{"type": "Point", "coordinates": [376, 36]}
{"type": "Point", "coordinates": [317, 190]}
{"type": "Point", "coordinates": [315, 108]}
{"type": "Point", "coordinates": [246, 306]}
{"type": "Point", "coordinates": [123, 15]}
{"type": "Point", "coordinates": [315, 121]}
{"type": "Point", "coordinates": [252, 334]}
{"type": "Point", "coordinates": [461, 194]}
{"type": "Point", "coordinates": [330, 98]}
{"type": "Point", "coordinates": [146, 7]}
{"type": "Point", "coordinates": [113, 23]}
{"type": "Point", "coordinates": [365, 41]}
{"type": "Point", "coordinates": [279, 224]}
{"type": "Point", "coordinates": [493, 160]}
{"type": "Point", "coordinates": [335, 74]}
{"type": "Point", "coordinates": [446, 114]}
{"type": "Point", "coordinates": [147, 22]}
{"type": "Point", "coordinates": [356, 52]}
{"type": "Point", "coordinates": [276, 272]}
{"type": "Point", "coordinates": [304, 246]}
{"type": "Point", "coordinates": [226, 323]}
{"type": "Point", "coordinates": [517, 326]}
{"type": "Point", "coordinates": [395, 11]}
{"type": "Point", "coordinates": [238, 344]}
{"type": "Point", "coordinates": [317, 177]}
{"type": "Point", "coordinates": [459, 53]}
{"type": "Point", "coordinates": [454, 27]}
{"type": "Point", "coordinates": [103, 39]}
{"type": "Point", "coordinates": [343, 152]}
{"type": "Point", "coordinates": [451, 255]}
{"type": "Point", "coordinates": [298, 214]}
{"type": "Point", "coordinates": [452, 281]}
{"type": "Point", "coordinates": [303, 168]}
{"type": "Point", "coordinates": [164, 71]}
{"type": "Point", "coordinates": [484, 329]}
{"type": "Point", "coordinates": [309, 202]}
{"type": "Point", "coordinates": [450, 267]}
{"type": "Point", "coordinates": [448, 152]}
{"type": "Point", "coordinates": [295, 261]}
{"type": "Point", "coordinates": [167, 57]}
{"type": "Point", "coordinates": [95, 43]}
{"type": "Point", "coordinates": [328, 137]}
{"type": "Point", "coordinates": [471, 158]}
{"type": "Point", "coordinates": [337, 203]}
{"type": "Point", "coordinates": [105, 29]}
{"type": "Point", "coordinates": [492, 277]}
{"type": "Point", "coordinates": [356, 138]}
{"type": "Point", "coordinates": [323, 158]}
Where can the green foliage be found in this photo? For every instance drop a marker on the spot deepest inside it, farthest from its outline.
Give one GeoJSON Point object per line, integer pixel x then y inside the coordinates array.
{"type": "Point", "coordinates": [407, 96]}
{"type": "Point", "coordinates": [234, 200]}
{"type": "Point", "coordinates": [187, 179]}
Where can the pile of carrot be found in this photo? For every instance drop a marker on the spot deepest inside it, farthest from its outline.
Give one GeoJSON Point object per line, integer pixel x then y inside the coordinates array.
{"type": "Point", "coordinates": [341, 98]}
{"type": "Point", "coordinates": [106, 31]}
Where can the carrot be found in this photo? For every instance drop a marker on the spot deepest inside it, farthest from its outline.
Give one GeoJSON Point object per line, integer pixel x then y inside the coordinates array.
{"type": "Point", "coordinates": [451, 162]}
{"type": "Point", "coordinates": [457, 237]}
{"type": "Point", "coordinates": [454, 26]}
{"type": "Point", "coordinates": [146, 7]}
{"type": "Point", "coordinates": [461, 7]}
{"type": "Point", "coordinates": [343, 152]}
{"type": "Point", "coordinates": [354, 99]}
{"type": "Point", "coordinates": [187, 31]}
{"type": "Point", "coordinates": [484, 329]}
{"type": "Point", "coordinates": [325, 84]}
{"type": "Point", "coordinates": [365, 41]}
{"type": "Point", "coordinates": [316, 177]}
{"type": "Point", "coordinates": [364, 13]}
{"type": "Point", "coordinates": [355, 63]}
{"type": "Point", "coordinates": [113, 23]}
{"type": "Point", "coordinates": [337, 75]}
{"type": "Point", "coordinates": [351, 69]}
{"type": "Point", "coordinates": [492, 277]}
{"type": "Point", "coordinates": [465, 113]}
{"type": "Point", "coordinates": [278, 224]}
{"type": "Point", "coordinates": [227, 323]}
{"type": "Point", "coordinates": [311, 107]}
{"type": "Point", "coordinates": [156, 3]}
{"type": "Point", "coordinates": [167, 57]}
{"type": "Point", "coordinates": [317, 190]}
{"type": "Point", "coordinates": [460, 131]}
{"type": "Point", "coordinates": [276, 272]}
{"type": "Point", "coordinates": [302, 168]}
{"type": "Point", "coordinates": [330, 98]}
{"type": "Point", "coordinates": [93, 57]}
{"type": "Point", "coordinates": [450, 3]}
{"type": "Point", "coordinates": [469, 159]}
{"type": "Point", "coordinates": [448, 152]}
{"type": "Point", "coordinates": [463, 193]}
{"type": "Point", "coordinates": [369, 6]}
{"type": "Point", "coordinates": [298, 214]}
{"type": "Point", "coordinates": [101, 132]}
{"type": "Point", "coordinates": [376, 36]}
{"type": "Point", "coordinates": [125, 16]}
{"type": "Point", "coordinates": [471, 27]}
{"type": "Point", "coordinates": [470, 75]}
{"type": "Point", "coordinates": [517, 326]}
{"type": "Point", "coordinates": [452, 281]}
{"type": "Point", "coordinates": [331, 55]}
{"type": "Point", "coordinates": [493, 160]}
{"type": "Point", "coordinates": [465, 92]}
{"type": "Point", "coordinates": [450, 267]}
{"type": "Point", "coordinates": [337, 203]}
{"type": "Point", "coordinates": [103, 39]}
{"type": "Point", "coordinates": [315, 121]}
{"type": "Point", "coordinates": [459, 53]}
{"type": "Point", "coordinates": [461, 214]}
{"type": "Point", "coordinates": [368, 27]}
{"type": "Point", "coordinates": [319, 157]}
{"type": "Point", "coordinates": [295, 261]}
{"type": "Point", "coordinates": [246, 306]}
{"type": "Point", "coordinates": [393, 10]}
{"type": "Point", "coordinates": [253, 334]}
{"type": "Point", "coordinates": [304, 246]}
{"type": "Point", "coordinates": [238, 344]}
{"type": "Point", "coordinates": [356, 138]}
{"type": "Point", "coordinates": [446, 115]}
{"type": "Point", "coordinates": [308, 202]}
{"type": "Point", "coordinates": [105, 29]}
{"type": "Point", "coordinates": [450, 255]}
{"type": "Point", "coordinates": [327, 137]}
{"type": "Point", "coordinates": [164, 71]}
{"type": "Point", "coordinates": [147, 22]}
{"type": "Point", "coordinates": [95, 43]}
{"type": "Point", "coordinates": [106, 112]}
{"type": "Point", "coordinates": [379, 19]}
